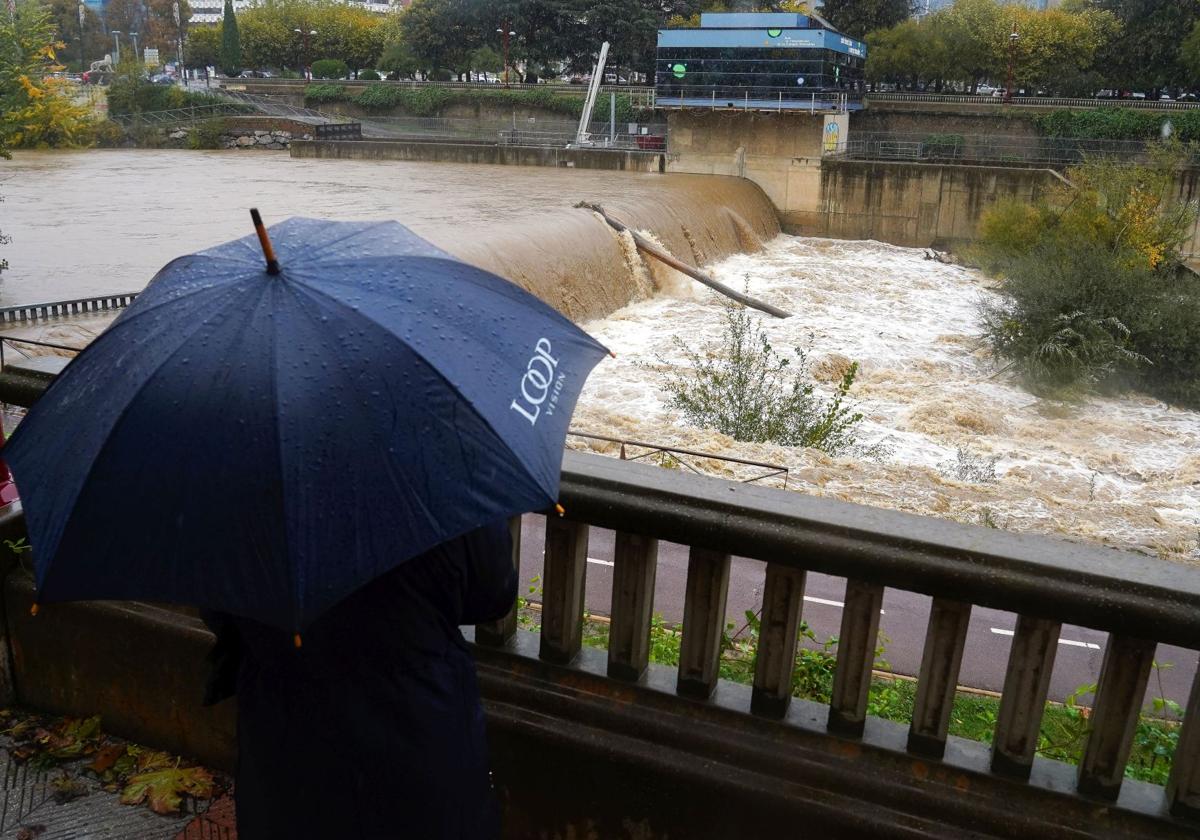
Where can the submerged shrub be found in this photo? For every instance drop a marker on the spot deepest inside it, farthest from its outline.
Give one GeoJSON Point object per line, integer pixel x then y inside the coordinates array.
{"type": "Point", "coordinates": [746, 389]}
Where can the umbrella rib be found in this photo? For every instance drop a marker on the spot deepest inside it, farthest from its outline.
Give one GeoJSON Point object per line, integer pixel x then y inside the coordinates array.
{"type": "Point", "coordinates": [482, 418]}
{"type": "Point", "coordinates": [297, 572]}
{"type": "Point", "coordinates": [120, 417]}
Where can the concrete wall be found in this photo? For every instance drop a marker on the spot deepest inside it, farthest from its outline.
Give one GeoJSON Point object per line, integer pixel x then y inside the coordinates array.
{"type": "Point", "coordinates": [479, 153]}
{"type": "Point", "coordinates": [902, 203]}
{"type": "Point", "coordinates": [780, 152]}
{"type": "Point", "coordinates": [908, 203]}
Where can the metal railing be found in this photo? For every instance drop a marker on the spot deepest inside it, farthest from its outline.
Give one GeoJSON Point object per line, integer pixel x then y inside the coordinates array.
{"type": "Point", "coordinates": [1046, 582]}
{"type": "Point", "coordinates": [36, 311]}
{"type": "Point", "coordinates": [1033, 101]}
{"type": "Point", "coordinates": [12, 340]}
{"type": "Point", "coordinates": [1054, 152]}
{"type": "Point", "coordinates": [185, 116]}
{"type": "Point", "coordinates": [670, 457]}
{"type": "Point", "coordinates": [523, 132]}
{"type": "Point", "coordinates": [756, 98]}
{"type": "Point", "coordinates": [559, 88]}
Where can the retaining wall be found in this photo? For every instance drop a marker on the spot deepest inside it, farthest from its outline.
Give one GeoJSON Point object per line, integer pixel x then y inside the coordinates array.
{"type": "Point", "coordinates": [909, 204]}
{"type": "Point", "coordinates": [489, 153]}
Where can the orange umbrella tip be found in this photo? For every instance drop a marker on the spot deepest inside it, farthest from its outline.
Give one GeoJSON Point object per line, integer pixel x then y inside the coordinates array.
{"type": "Point", "coordinates": [264, 241]}
{"type": "Point", "coordinates": [561, 510]}
{"type": "Point", "coordinates": [33, 610]}
{"type": "Point", "coordinates": [297, 641]}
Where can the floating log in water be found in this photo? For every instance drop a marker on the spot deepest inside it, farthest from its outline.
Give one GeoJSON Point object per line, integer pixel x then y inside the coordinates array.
{"type": "Point", "coordinates": [646, 246]}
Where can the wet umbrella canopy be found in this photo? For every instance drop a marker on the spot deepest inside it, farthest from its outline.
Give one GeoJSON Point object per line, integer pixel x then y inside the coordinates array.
{"type": "Point", "coordinates": [265, 444]}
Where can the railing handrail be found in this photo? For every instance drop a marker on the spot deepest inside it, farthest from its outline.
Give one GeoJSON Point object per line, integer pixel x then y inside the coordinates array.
{"type": "Point", "coordinates": [1090, 586]}
{"type": "Point", "coordinates": [776, 469]}
{"type": "Point", "coordinates": [96, 303]}
{"type": "Point", "coordinates": [1031, 101]}
{"type": "Point", "coordinates": [560, 88]}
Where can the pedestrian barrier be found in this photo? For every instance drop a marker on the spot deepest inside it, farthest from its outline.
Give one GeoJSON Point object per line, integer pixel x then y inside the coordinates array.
{"type": "Point", "coordinates": [1001, 788]}
{"type": "Point", "coordinates": [338, 131]}
{"type": "Point", "coordinates": [1032, 101]}
{"type": "Point", "coordinates": [36, 311]}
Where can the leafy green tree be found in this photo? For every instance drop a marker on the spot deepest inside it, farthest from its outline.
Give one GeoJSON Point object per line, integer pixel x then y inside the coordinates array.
{"type": "Point", "coordinates": [202, 47]}
{"type": "Point", "coordinates": [858, 17]}
{"type": "Point", "coordinates": [1189, 56]}
{"type": "Point", "coordinates": [66, 23]}
{"type": "Point", "coordinates": [36, 109]}
{"type": "Point", "coordinates": [397, 58]}
{"type": "Point", "coordinates": [1148, 54]}
{"type": "Point", "coordinates": [231, 42]}
{"type": "Point", "coordinates": [486, 60]}
{"type": "Point", "coordinates": [629, 26]}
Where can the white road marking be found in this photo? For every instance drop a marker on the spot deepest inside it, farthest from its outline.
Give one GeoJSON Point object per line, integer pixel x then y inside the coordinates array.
{"type": "Point", "coordinates": [829, 603]}
{"type": "Point", "coordinates": [1071, 642]}
{"type": "Point", "coordinates": [600, 562]}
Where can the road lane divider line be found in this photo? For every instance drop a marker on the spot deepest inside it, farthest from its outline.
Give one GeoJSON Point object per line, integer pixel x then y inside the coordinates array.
{"type": "Point", "coordinates": [829, 603]}
{"type": "Point", "coordinates": [599, 562]}
{"type": "Point", "coordinates": [1089, 645]}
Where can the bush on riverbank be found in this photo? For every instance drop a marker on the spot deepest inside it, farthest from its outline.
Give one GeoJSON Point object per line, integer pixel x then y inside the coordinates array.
{"type": "Point", "coordinates": [132, 93]}
{"type": "Point", "coordinates": [1118, 124]}
{"type": "Point", "coordinates": [1094, 297]}
{"type": "Point", "coordinates": [431, 100]}
{"type": "Point", "coordinates": [751, 392]}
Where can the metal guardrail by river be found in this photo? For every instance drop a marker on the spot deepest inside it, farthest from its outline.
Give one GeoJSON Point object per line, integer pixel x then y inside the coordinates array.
{"type": "Point", "coordinates": [1032, 101]}
{"type": "Point", "coordinates": [989, 149]}
{"type": "Point", "coordinates": [35, 311]}
{"type": "Point", "coordinates": [669, 456]}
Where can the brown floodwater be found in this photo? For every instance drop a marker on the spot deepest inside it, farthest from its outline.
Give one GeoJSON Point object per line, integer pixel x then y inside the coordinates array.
{"type": "Point", "coordinates": [87, 223]}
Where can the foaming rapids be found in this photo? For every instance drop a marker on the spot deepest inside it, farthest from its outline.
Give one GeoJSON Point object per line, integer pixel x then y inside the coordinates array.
{"type": "Point", "coordinates": [1118, 471]}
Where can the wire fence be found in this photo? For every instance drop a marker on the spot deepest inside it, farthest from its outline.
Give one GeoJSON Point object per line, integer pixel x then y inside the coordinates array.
{"type": "Point", "coordinates": [517, 132]}
{"type": "Point", "coordinates": [1035, 101]}
{"type": "Point", "coordinates": [992, 150]}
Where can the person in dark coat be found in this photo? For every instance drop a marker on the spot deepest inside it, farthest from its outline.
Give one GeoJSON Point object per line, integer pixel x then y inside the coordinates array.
{"type": "Point", "coordinates": [373, 728]}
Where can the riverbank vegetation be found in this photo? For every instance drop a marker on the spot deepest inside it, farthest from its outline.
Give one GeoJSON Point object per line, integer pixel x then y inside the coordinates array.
{"type": "Point", "coordinates": [428, 101]}
{"type": "Point", "coordinates": [37, 109]}
{"type": "Point", "coordinates": [1076, 49]}
{"type": "Point", "coordinates": [1093, 296]}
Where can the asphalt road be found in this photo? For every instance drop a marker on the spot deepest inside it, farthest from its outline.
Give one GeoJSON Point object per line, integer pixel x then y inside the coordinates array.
{"type": "Point", "coordinates": [904, 619]}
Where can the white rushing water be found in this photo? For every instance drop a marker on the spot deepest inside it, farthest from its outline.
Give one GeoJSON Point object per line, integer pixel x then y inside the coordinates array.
{"type": "Point", "coordinates": [1122, 471]}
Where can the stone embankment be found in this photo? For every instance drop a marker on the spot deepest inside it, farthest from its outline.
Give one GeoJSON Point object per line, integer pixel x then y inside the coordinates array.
{"type": "Point", "coordinates": [240, 138]}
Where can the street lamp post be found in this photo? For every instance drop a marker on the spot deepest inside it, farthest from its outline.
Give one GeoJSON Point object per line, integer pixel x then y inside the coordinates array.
{"type": "Point", "coordinates": [117, 43]}
{"type": "Point", "coordinates": [1012, 54]}
{"type": "Point", "coordinates": [81, 57]}
{"type": "Point", "coordinates": [506, 33]}
{"type": "Point", "coordinates": [305, 34]}
{"type": "Point", "coordinates": [179, 52]}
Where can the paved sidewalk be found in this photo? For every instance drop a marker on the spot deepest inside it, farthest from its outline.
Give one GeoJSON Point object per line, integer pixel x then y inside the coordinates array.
{"type": "Point", "coordinates": [46, 798]}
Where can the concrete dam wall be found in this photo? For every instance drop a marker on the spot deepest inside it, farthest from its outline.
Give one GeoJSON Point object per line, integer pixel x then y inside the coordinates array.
{"type": "Point", "coordinates": [572, 260]}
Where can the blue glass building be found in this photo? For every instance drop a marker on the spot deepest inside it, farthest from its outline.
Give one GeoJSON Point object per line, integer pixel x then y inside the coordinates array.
{"type": "Point", "coordinates": [758, 61]}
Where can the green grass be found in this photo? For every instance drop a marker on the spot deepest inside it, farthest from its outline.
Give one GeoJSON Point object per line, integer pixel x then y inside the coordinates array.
{"type": "Point", "coordinates": [1064, 726]}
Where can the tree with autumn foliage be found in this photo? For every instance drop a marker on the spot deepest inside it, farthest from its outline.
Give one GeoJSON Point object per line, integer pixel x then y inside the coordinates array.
{"type": "Point", "coordinates": [37, 110]}
{"type": "Point", "coordinates": [1094, 296]}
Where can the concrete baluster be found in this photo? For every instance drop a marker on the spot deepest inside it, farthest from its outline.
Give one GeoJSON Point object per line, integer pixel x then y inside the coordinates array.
{"type": "Point", "coordinates": [703, 621]}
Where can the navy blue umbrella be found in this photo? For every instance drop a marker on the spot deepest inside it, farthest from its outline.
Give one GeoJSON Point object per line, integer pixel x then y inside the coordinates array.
{"type": "Point", "coordinates": [266, 443]}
